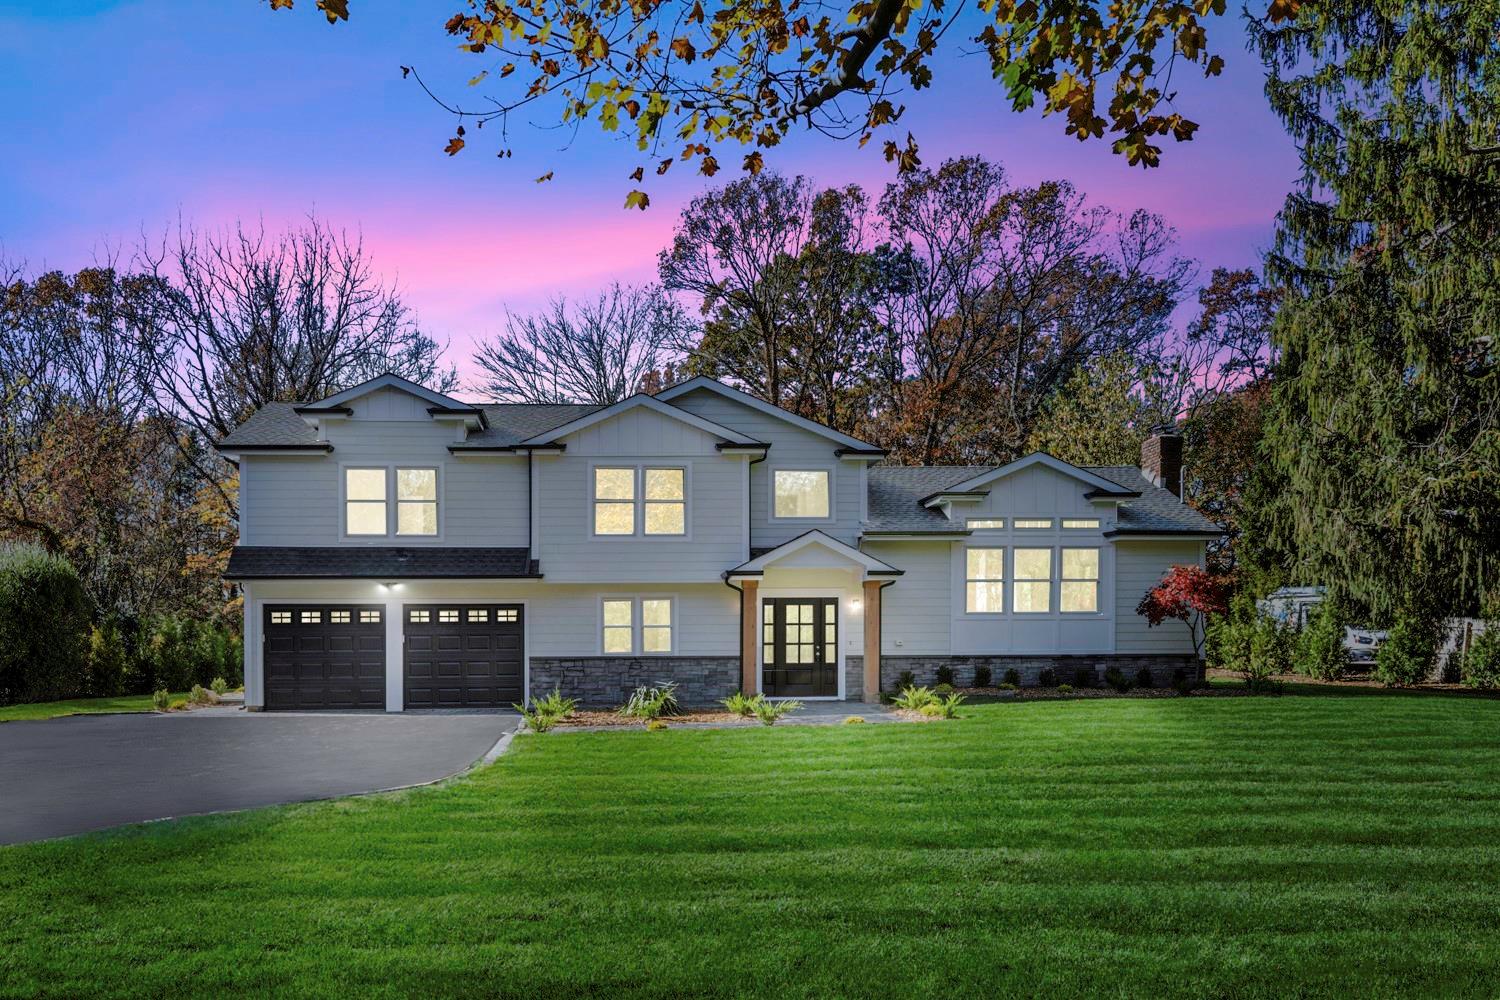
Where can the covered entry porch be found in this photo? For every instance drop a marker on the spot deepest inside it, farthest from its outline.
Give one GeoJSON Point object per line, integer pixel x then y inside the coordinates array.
{"type": "Point", "coordinates": [810, 620]}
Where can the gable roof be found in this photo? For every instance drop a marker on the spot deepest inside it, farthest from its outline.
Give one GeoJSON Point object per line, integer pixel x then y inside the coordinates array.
{"type": "Point", "coordinates": [896, 493]}
{"type": "Point", "coordinates": [275, 425]}
{"type": "Point", "coordinates": [637, 401]}
{"type": "Point", "coordinates": [978, 481]}
{"type": "Point", "coordinates": [850, 444]}
{"type": "Point", "coordinates": [388, 380]}
{"type": "Point", "coordinates": [759, 563]}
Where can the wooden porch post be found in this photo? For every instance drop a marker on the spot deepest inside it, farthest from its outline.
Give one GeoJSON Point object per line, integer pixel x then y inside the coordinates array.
{"type": "Point", "coordinates": [872, 641]}
{"type": "Point", "coordinates": [748, 637]}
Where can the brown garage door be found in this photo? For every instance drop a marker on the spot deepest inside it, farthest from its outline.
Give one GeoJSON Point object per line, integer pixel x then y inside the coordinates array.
{"type": "Point", "coordinates": [324, 656]}
{"type": "Point", "coordinates": [463, 655]}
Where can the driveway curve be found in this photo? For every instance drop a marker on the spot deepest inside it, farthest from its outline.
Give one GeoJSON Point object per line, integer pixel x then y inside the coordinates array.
{"type": "Point", "coordinates": [89, 772]}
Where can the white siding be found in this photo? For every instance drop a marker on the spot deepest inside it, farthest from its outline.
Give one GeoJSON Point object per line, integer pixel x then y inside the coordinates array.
{"type": "Point", "coordinates": [1139, 566]}
{"type": "Point", "coordinates": [1035, 491]}
{"type": "Point", "coordinates": [791, 447]}
{"type": "Point", "coordinates": [916, 609]}
{"type": "Point", "coordinates": [567, 547]}
{"type": "Point", "coordinates": [298, 500]}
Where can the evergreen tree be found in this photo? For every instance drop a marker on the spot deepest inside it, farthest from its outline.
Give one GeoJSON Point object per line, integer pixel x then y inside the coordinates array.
{"type": "Point", "coordinates": [1381, 462]}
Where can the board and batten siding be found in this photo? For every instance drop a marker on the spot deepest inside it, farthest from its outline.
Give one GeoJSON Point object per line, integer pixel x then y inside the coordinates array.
{"type": "Point", "coordinates": [917, 609]}
{"type": "Point", "coordinates": [299, 500]}
{"type": "Point", "coordinates": [565, 542]}
{"type": "Point", "coordinates": [791, 448]}
{"type": "Point", "coordinates": [1035, 491]}
{"type": "Point", "coordinates": [1139, 566]}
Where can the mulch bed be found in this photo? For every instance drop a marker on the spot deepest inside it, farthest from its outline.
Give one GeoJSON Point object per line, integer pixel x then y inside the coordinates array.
{"type": "Point", "coordinates": [584, 718]}
{"type": "Point", "coordinates": [1358, 680]}
{"type": "Point", "coordinates": [1053, 694]}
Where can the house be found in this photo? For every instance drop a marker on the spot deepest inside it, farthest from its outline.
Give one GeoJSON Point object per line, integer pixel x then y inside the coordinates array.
{"type": "Point", "coordinates": [403, 549]}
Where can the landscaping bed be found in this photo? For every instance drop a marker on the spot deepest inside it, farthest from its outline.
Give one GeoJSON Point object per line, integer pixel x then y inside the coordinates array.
{"type": "Point", "coordinates": [608, 719]}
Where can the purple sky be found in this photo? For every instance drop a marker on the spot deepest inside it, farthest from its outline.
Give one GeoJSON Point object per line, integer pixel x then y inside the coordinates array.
{"type": "Point", "coordinates": [119, 116]}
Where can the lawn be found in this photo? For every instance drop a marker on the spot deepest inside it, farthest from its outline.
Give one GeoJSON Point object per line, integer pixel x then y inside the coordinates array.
{"type": "Point", "coordinates": [1207, 846]}
{"type": "Point", "coordinates": [77, 706]}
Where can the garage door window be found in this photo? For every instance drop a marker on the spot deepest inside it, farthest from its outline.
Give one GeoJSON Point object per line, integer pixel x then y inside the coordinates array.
{"type": "Point", "coordinates": [312, 617]}
{"type": "Point", "coordinates": [369, 617]}
{"type": "Point", "coordinates": [419, 616]}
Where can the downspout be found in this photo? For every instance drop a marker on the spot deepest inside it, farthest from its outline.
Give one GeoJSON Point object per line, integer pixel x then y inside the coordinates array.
{"type": "Point", "coordinates": [750, 497]}
{"type": "Point", "coordinates": [880, 633]}
{"type": "Point", "coordinates": [740, 634]}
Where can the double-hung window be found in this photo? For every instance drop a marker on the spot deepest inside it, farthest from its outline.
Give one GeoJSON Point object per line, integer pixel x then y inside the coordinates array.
{"type": "Point", "coordinates": [800, 494]}
{"type": "Point", "coordinates": [367, 508]}
{"type": "Point", "coordinates": [1032, 581]}
{"type": "Point", "coordinates": [632, 625]}
{"type": "Point", "coordinates": [1080, 580]}
{"type": "Point", "coordinates": [631, 500]}
{"type": "Point", "coordinates": [984, 580]}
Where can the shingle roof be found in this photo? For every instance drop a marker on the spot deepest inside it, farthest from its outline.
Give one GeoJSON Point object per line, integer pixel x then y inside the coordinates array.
{"type": "Point", "coordinates": [273, 425]}
{"type": "Point", "coordinates": [896, 493]}
{"type": "Point", "coordinates": [258, 562]}
{"type": "Point", "coordinates": [278, 425]}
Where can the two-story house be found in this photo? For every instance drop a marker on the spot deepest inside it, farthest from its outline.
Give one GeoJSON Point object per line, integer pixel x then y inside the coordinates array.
{"type": "Point", "coordinates": [402, 549]}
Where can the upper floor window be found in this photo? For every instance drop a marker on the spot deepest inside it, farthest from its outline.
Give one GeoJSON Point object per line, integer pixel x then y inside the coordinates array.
{"type": "Point", "coordinates": [1074, 523]}
{"type": "Point", "coordinates": [416, 502]}
{"type": "Point", "coordinates": [800, 493]}
{"type": "Point", "coordinates": [366, 506]}
{"type": "Point", "coordinates": [1033, 522]}
{"type": "Point", "coordinates": [985, 523]}
{"type": "Point", "coordinates": [619, 491]}
{"type": "Point", "coordinates": [364, 501]}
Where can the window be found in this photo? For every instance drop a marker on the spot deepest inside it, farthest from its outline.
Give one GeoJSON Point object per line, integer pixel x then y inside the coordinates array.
{"type": "Point", "coordinates": [1033, 581]}
{"type": "Point", "coordinates": [666, 502]}
{"type": "Point", "coordinates": [985, 576]}
{"type": "Point", "coordinates": [985, 523]}
{"type": "Point", "coordinates": [1072, 523]}
{"type": "Point", "coordinates": [800, 493]}
{"type": "Point", "coordinates": [478, 615]}
{"type": "Point", "coordinates": [312, 617]}
{"type": "Point", "coordinates": [448, 616]}
{"type": "Point", "coordinates": [1080, 580]}
{"type": "Point", "coordinates": [338, 617]}
{"type": "Point", "coordinates": [623, 615]}
{"type": "Point", "coordinates": [419, 616]}
{"type": "Point", "coordinates": [1033, 522]}
{"type": "Point", "coordinates": [416, 502]}
{"type": "Point", "coordinates": [281, 617]}
{"type": "Point", "coordinates": [614, 501]}
{"type": "Point", "coordinates": [369, 617]}
{"type": "Point", "coordinates": [505, 614]}
{"type": "Point", "coordinates": [656, 625]}
{"type": "Point", "coordinates": [619, 626]}
{"type": "Point", "coordinates": [364, 502]}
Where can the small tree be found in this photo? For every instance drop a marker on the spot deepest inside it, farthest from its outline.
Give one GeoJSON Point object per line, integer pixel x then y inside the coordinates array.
{"type": "Point", "coordinates": [1191, 595]}
{"type": "Point", "coordinates": [107, 661]}
{"type": "Point", "coordinates": [1409, 651]}
{"type": "Point", "coordinates": [44, 626]}
{"type": "Point", "coordinates": [1320, 651]}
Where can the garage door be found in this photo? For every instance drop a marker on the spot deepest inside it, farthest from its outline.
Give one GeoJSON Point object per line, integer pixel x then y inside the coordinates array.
{"type": "Point", "coordinates": [324, 656]}
{"type": "Point", "coordinates": [463, 655]}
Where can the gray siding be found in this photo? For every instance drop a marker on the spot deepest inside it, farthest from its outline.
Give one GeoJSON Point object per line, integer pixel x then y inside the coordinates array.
{"type": "Point", "coordinates": [565, 543]}
{"type": "Point", "coordinates": [1139, 566]}
{"type": "Point", "coordinates": [791, 447]}
{"type": "Point", "coordinates": [916, 610]}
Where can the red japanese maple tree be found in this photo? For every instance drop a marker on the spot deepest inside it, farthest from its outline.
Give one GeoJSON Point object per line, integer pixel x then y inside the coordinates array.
{"type": "Point", "coordinates": [1190, 594]}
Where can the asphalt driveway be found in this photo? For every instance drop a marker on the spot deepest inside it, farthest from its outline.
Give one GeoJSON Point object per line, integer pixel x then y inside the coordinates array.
{"type": "Point", "coordinates": [88, 772]}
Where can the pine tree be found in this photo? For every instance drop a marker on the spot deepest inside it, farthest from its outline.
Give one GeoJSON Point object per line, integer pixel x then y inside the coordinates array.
{"type": "Point", "coordinates": [1381, 463]}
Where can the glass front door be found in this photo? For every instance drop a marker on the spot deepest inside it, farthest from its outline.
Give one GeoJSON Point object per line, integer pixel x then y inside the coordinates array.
{"type": "Point", "coordinates": [799, 647]}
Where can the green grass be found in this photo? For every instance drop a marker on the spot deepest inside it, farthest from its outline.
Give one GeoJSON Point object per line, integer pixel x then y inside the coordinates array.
{"type": "Point", "coordinates": [1228, 847]}
{"type": "Point", "coordinates": [78, 706]}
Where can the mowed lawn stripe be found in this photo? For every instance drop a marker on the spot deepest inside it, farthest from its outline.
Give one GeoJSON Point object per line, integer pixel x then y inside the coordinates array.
{"type": "Point", "coordinates": [1228, 846]}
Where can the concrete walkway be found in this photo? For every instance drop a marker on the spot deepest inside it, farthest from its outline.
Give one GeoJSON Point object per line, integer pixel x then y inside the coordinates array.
{"type": "Point", "coordinates": [88, 772]}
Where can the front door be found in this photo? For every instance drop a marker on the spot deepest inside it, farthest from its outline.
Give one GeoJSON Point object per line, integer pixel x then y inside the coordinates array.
{"type": "Point", "coordinates": [799, 647]}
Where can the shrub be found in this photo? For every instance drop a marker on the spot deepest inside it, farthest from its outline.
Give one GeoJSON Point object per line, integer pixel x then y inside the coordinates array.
{"type": "Point", "coordinates": [1143, 677]}
{"type": "Point", "coordinates": [200, 695]}
{"type": "Point", "coordinates": [1047, 678]}
{"type": "Point", "coordinates": [1270, 652]}
{"type": "Point", "coordinates": [770, 712]}
{"type": "Point", "coordinates": [536, 720]}
{"type": "Point", "coordinates": [905, 680]}
{"type": "Point", "coordinates": [219, 686]}
{"type": "Point", "coordinates": [1481, 665]}
{"type": "Point", "coordinates": [740, 704]}
{"type": "Point", "coordinates": [177, 705]}
{"type": "Point", "coordinates": [44, 626]}
{"type": "Point", "coordinates": [1083, 677]}
{"type": "Point", "coordinates": [555, 705]}
{"type": "Point", "coordinates": [1181, 682]}
{"type": "Point", "coordinates": [1319, 650]}
{"type": "Point", "coordinates": [651, 702]}
{"type": "Point", "coordinates": [943, 675]}
{"type": "Point", "coordinates": [943, 689]}
{"type": "Point", "coordinates": [1013, 677]}
{"type": "Point", "coordinates": [982, 676]}
{"type": "Point", "coordinates": [1410, 648]}
{"type": "Point", "coordinates": [1065, 689]}
{"type": "Point", "coordinates": [948, 707]}
{"type": "Point", "coordinates": [912, 699]}
{"type": "Point", "coordinates": [108, 661]}
{"type": "Point", "coordinates": [1115, 678]}
{"type": "Point", "coordinates": [933, 710]}
{"type": "Point", "coordinates": [656, 726]}
{"type": "Point", "coordinates": [1008, 686]}
{"type": "Point", "coordinates": [855, 720]}
{"type": "Point", "coordinates": [161, 700]}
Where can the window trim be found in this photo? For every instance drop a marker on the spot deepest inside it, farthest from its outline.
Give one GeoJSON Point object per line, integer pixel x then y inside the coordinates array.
{"type": "Point", "coordinates": [637, 623]}
{"type": "Point", "coordinates": [638, 502]}
{"type": "Point", "coordinates": [396, 501]}
{"type": "Point", "coordinates": [1004, 551]}
{"type": "Point", "coordinates": [827, 470]}
{"type": "Point", "coordinates": [1096, 581]}
{"type": "Point", "coordinates": [1050, 580]}
{"type": "Point", "coordinates": [392, 514]}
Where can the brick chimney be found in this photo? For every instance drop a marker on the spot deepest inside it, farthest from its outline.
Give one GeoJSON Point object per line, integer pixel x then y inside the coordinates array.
{"type": "Point", "coordinates": [1161, 459]}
